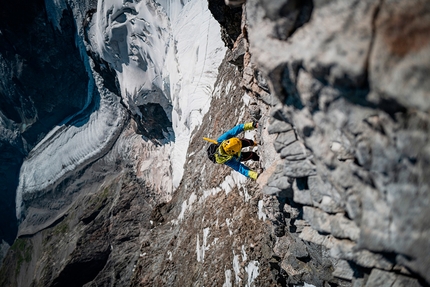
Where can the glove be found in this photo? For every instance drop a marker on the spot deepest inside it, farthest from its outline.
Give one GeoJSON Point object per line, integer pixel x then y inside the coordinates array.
{"type": "Point", "coordinates": [252, 174]}
{"type": "Point", "coordinates": [255, 124]}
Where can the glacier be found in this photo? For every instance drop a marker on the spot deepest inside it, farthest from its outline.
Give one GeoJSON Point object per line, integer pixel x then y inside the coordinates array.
{"type": "Point", "coordinates": [166, 53]}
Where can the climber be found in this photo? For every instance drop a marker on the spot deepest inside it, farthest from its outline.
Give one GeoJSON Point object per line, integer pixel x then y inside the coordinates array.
{"type": "Point", "coordinates": [227, 149]}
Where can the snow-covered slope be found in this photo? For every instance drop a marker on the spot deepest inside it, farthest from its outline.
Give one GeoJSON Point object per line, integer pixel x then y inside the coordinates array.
{"type": "Point", "coordinates": [193, 73]}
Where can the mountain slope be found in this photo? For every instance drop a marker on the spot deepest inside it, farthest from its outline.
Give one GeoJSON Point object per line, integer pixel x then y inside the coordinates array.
{"type": "Point", "coordinates": [342, 201]}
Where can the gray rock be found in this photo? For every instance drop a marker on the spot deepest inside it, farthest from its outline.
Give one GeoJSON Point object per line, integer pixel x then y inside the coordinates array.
{"type": "Point", "coordinates": [261, 81]}
{"type": "Point", "coordinates": [278, 146]}
{"type": "Point", "coordinates": [353, 205]}
{"type": "Point", "coordinates": [299, 169]}
{"type": "Point", "coordinates": [255, 111]}
{"type": "Point", "coordinates": [343, 270]}
{"type": "Point", "coordinates": [292, 212]}
{"type": "Point", "coordinates": [278, 173]}
{"type": "Point", "coordinates": [302, 196]}
{"type": "Point", "coordinates": [406, 281]}
{"type": "Point", "coordinates": [391, 63]}
{"type": "Point", "coordinates": [238, 51]}
{"type": "Point", "coordinates": [346, 250]}
{"type": "Point", "coordinates": [269, 99]}
{"type": "Point", "coordinates": [375, 221]}
{"type": "Point", "coordinates": [337, 225]}
{"type": "Point", "coordinates": [270, 190]}
{"type": "Point", "coordinates": [247, 78]}
{"type": "Point", "coordinates": [311, 235]}
{"type": "Point", "coordinates": [294, 149]}
{"type": "Point", "coordinates": [328, 205]}
{"type": "Point", "coordinates": [234, 3]}
{"type": "Point", "coordinates": [319, 220]}
{"type": "Point", "coordinates": [300, 225]}
{"type": "Point", "coordinates": [282, 245]}
{"type": "Point", "coordinates": [342, 227]}
{"type": "Point", "coordinates": [295, 157]}
{"type": "Point", "coordinates": [286, 138]}
{"type": "Point", "coordinates": [281, 183]}
{"type": "Point", "coordinates": [279, 127]}
{"type": "Point", "coordinates": [381, 278]}
{"type": "Point", "coordinates": [298, 249]}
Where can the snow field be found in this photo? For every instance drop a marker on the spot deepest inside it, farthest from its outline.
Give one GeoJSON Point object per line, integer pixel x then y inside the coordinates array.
{"type": "Point", "coordinates": [193, 73]}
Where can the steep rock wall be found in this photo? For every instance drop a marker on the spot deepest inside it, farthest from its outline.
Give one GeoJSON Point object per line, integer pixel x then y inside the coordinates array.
{"type": "Point", "coordinates": [351, 121]}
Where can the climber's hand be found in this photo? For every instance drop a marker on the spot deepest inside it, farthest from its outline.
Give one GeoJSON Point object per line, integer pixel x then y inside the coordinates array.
{"type": "Point", "coordinates": [252, 174]}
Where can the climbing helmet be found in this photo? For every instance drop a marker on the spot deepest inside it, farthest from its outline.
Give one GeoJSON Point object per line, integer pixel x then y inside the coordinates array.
{"type": "Point", "coordinates": [232, 146]}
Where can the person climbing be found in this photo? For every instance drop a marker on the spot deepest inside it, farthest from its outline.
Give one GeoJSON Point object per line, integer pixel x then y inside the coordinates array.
{"type": "Point", "coordinates": [227, 149]}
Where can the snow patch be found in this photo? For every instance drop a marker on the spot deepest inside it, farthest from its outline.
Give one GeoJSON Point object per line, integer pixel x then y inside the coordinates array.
{"type": "Point", "coordinates": [261, 214]}
{"type": "Point", "coordinates": [244, 257]}
{"type": "Point", "coordinates": [228, 184]}
{"type": "Point", "coordinates": [236, 268]}
{"type": "Point", "coordinates": [227, 282]}
{"type": "Point", "coordinates": [230, 181]}
{"type": "Point", "coordinates": [229, 222]}
{"type": "Point", "coordinates": [215, 241]}
{"type": "Point", "coordinates": [246, 195]}
{"type": "Point", "coordinates": [201, 249]}
{"type": "Point", "coordinates": [186, 205]}
{"type": "Point", "coordinates": [246, 99]}
{"type": "Point", "coordinates": [252, 270]}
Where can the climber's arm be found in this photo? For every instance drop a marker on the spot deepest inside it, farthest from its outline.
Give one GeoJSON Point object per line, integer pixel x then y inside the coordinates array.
{"type": "Point", "coordinates": [235, 131]}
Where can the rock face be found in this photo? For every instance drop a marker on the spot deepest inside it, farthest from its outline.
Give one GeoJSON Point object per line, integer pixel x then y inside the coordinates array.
{"type": "Point", "coordinates": [340, 92]}
{"type": "Point", "coordinates": [109, 221]}
{"type": "Point", "coordinates": [349, 83]}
